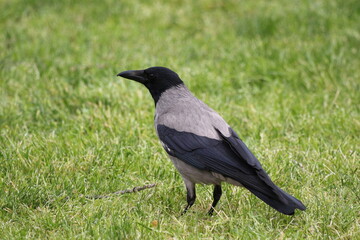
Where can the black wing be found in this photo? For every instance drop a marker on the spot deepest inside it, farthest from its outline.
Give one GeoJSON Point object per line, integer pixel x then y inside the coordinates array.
{"type": "Point", "coordinates": [231, 158]}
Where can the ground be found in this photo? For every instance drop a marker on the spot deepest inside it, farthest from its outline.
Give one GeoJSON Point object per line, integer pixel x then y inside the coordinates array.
{"type": "Point", "coordinates": [284, 74]}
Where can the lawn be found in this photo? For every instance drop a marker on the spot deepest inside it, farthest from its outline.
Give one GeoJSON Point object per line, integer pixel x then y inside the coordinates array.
{"type": "Point", "coordinates": [284, 74]}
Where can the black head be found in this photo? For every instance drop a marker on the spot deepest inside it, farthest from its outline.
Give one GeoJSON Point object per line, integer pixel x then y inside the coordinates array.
{"type": "Point", "coordinates": [156, 79]}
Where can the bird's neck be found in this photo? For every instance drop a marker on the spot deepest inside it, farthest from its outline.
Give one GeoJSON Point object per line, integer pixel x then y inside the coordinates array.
{"type": "Point", "coordinates": [157, 93]}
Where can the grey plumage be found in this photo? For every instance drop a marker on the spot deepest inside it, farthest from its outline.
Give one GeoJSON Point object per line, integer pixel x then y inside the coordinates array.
{"type": "Point", "coordinates": [202, 146]}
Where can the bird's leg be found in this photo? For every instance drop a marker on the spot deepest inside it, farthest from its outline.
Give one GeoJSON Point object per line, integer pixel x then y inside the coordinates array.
{"type": "Point", "coordinates": [190, 195]}
{"type": "Point", "coordinates": [217, 195]}
{"type": "Point", "coordinates": [190, 200]}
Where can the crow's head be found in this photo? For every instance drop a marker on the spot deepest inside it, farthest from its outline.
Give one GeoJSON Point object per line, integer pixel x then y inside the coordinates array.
{"type": "Point", "coordinates": [156, 79]}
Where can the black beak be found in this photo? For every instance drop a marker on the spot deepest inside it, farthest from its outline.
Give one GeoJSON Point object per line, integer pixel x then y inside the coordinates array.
{"type": "Point", "coordinates": [136, 75]}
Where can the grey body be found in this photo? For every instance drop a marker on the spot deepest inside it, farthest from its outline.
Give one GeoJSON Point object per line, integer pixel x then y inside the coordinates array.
{"type": "Point", "coordinates": [178, 109]}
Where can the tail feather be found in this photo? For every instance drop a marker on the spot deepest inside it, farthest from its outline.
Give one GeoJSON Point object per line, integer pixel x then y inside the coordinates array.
{"type": "Point", "coordinates": [294, 201]}
{"type": "Point", "coordinates": [259, 183]}
{"type": "Point", "coordinates": [286, 207]}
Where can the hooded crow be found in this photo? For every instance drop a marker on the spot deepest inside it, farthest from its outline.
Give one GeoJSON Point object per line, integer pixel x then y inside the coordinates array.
{"type": "Point", "coordinates": [202, 146]}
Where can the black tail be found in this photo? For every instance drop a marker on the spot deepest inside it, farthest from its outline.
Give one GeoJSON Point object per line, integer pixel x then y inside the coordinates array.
{"type": "Point", "coordinates": [280, 201]}
{"type": "Point", "coordinates": [256, 179]}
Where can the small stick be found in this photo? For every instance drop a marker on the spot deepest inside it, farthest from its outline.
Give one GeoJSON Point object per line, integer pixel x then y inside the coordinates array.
{"type": "Point", "coordinates": [135, 189]}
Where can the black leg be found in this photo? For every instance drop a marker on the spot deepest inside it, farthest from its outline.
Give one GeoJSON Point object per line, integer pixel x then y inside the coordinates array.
{"type": "Point", "coordinates": [217, 195]}
{"type": "Point", "coordinates": [190, 195]}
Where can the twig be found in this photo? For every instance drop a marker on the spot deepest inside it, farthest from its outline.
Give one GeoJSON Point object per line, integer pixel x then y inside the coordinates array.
{"type": "Point", "coordinates": [135, 189]}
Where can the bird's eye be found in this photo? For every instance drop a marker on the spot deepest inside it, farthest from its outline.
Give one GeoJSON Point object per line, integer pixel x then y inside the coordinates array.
{"type": "Point", "coordinates": [151, 76]}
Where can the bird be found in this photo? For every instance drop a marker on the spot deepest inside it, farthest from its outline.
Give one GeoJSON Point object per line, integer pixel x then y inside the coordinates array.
{"type": "Point", "coordinates": [201, 144]}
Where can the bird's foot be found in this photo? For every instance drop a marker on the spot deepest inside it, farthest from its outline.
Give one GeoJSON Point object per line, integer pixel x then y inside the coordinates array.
{"type": "Point", "coordinates": [185, 210]}
{"type": "Point", "coordinates": [211, 211]}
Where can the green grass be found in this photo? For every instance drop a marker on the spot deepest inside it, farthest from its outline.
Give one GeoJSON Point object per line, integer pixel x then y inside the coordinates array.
{"type": "Point", "coordinates": [284, 74]}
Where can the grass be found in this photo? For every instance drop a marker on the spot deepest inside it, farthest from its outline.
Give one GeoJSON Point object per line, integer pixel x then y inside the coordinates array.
{"type": "Point", "coordinates": [284, 74]}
